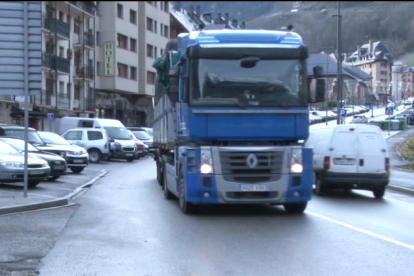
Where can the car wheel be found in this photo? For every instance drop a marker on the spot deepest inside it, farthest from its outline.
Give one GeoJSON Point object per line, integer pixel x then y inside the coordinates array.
{"type": "Point", "coordinates": [379, 192]}
{"type": "Point", "coordinates": [94, 156]}
{"type": "Point", "coordinates": [167, 194]}
{"type": "Point", "coordinates": [76, 170]}
{"type": "Point", "coordinates": [295, 208]}
{"type": "Point", "coordinates": [53, 178]}
{"type": "Point", "coordinates": [32, 183]}
{"type": "Point", "coordinates": [319, 187]}
{"type": "Point", "coordinates": [185, 206]}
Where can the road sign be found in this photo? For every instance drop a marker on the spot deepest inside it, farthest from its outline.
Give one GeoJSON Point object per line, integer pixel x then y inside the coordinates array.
{"type": "Point", "coordinates": [389, 111]}
{"type": "Point", "coordinates": [50, 117]}
{"type": "Point", "coordinates": [343, 113]}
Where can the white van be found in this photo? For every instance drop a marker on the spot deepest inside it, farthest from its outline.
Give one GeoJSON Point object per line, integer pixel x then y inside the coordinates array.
{"type": "Point", "coordinates": [122, 145]}
{"type": "Point", "coordinates": [350, 157]}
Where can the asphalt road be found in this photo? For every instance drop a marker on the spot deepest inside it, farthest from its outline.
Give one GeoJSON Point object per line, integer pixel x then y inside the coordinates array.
{"type": "Point", "coordinates": [124, 226]}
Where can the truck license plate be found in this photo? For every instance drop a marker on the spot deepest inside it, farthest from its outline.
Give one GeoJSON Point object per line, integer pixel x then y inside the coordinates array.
{"type": "Point", "coordinates": [37, 172]}
{"type": "Point", "coordinates": [252, 188]}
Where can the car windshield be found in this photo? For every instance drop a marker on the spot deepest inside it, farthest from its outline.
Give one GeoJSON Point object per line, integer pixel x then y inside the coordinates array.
{"type": "Point", "coordinates": [19, 145]}
{"type": "Point", "coordinates": [142, 135]}
{"type": "Point", "coordinates": [119, 133]}
{"type": "Point", "coordinates": [247, 82]}
{"type": "Point", "coordinates": [5, 148]}
{"type": "Point", "coordinates": [33, 135]}
{"type": "Point", "coordinates": [53, 138]}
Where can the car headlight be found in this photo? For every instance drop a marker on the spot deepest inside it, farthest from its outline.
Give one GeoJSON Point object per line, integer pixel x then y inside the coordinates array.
{"type": "Point", "coordinates": [296, 161]}
{"type": "Point", "coordinates": [13, 164]}
{"type": "Point", "coordinates": [206, 161]}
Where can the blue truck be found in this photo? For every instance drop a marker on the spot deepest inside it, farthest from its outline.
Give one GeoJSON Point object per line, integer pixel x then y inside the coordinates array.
{"type": "Point", "coordinates": [231, 115]}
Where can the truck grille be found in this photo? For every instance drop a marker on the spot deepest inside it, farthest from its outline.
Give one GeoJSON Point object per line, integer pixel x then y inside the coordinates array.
{"type": "Point", "coordinates": [35, 166]}
{"type": "Point", "coordinates": [251, 167]}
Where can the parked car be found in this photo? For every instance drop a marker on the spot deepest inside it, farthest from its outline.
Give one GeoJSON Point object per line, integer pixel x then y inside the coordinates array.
{"type": "Point", "coordinates": [77, 158]}
{"type": "Point", "coordinates": [12, 167]}
{"type": "Point", "coordinates": [141, 147]}
{"type": "Point", "coordinates": [359, 119]}
{"type": "Point", "coordinates": [34, 138]}
{"type": "Point", "coordinates": [145, 138]}
{"type": "Point", "coordinates": [56, 163]}
{"type": "Point", "coordinates": [94, 140]}
{"type": "Point", "coordinates": [146, 129]}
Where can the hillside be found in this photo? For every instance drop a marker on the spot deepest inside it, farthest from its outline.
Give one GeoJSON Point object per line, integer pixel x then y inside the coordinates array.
{"type": "Point", "coordinates": [389, 22]}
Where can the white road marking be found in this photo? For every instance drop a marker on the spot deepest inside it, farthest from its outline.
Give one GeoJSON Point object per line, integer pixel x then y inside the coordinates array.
{"type": "Point", "coordinates": [362, 230]}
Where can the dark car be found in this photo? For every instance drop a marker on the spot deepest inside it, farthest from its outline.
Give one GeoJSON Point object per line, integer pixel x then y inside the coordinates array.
{"type": "Point", "coordinates": [57, 163]}
{"type": "Point", "coordinates": [14, 131]}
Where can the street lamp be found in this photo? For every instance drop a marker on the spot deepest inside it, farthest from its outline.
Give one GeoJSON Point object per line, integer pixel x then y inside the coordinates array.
{"type": "Point", "coordinates": [325, 49]}
{"type": "Point", "coordinates": [339, 61]}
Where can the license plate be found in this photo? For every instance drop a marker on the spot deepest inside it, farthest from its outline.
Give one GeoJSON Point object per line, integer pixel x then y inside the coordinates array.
{"type": "Point", "coordinates": [37, 172]}
{"type": "Point", "coordinates": [78, 161]}
{"type": "Point", "coordinates": [129, 154]}
{"type": "Point", "coordinates": [344, 161]}
{"type": "Point", "coordinates": [252, 188]}
{"type": "Point", "coordinates": [59, 167]}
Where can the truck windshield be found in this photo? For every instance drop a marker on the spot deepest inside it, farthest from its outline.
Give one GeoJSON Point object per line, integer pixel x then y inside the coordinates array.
{"type": "Point", "coordinates": [247, 82]}
{"type": "Point", "coordinates": [119, 133]}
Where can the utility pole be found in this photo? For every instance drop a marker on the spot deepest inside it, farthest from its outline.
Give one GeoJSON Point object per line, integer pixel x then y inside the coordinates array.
{"type": "Point", "coordinates": [339, 61]}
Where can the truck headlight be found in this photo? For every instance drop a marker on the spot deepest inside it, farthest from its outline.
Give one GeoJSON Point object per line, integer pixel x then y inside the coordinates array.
{"type": "Point", "coordinates": [296, 161]}
{"type": "Point", "coordinates": [206, 161]}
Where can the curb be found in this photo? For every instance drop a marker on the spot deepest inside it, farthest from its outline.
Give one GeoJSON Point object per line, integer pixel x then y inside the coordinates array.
{"type": "Point", "coordinates": [401, 190]}
{"type": "Point", "coordinates": [64, 201]}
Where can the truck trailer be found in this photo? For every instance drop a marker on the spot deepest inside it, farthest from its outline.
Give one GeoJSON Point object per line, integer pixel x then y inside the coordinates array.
{"type": "Point", "coordinates": [231, 117]}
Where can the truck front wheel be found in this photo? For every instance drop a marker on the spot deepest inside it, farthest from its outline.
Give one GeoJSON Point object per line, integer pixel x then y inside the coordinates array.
{"type": "Point", "coordinates": [185, 206]}
{"type": "Point", "coordinates": [295, 208]}
{"type": "Point", "coordinates": [160, 173]}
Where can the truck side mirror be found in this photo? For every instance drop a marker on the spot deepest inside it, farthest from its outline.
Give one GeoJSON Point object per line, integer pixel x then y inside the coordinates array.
{"type": "Point", "coordinates": [317, 90]}
{"type": "Point", "coordinates": [172, 90]}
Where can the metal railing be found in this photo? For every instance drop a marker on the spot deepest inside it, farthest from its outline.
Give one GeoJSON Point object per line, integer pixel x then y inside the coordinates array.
{"type": "Point", "coordinates": [87, 6]}
{"type": "Point", "coordinates": [85, 71]}
{"type": "Point", "coordinates": [56, 25]}
{"type": "Point", "coordinates": [43, 98]}
{"type": "Point", "coordinates": [60, 64]}
{"type": "Point", "coordinates": [63, 101]}
{"type": "Point", "coordinates": [46, 60]}
{"type": "Point", "coordinates": [89, 104]}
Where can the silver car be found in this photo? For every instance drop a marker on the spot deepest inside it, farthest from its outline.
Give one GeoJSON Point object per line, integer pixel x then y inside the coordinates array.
{"type": "Point", "coordinates": [12, 167]}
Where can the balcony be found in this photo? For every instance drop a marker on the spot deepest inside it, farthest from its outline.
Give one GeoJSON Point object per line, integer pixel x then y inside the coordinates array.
{"type": "Point", "coordinates": [44, 98]}
{"type": "Point", "coordinates": [89, 104]}
{"type": "Point", "coordinates": [62, 65]}
{"type": "Point", "coordinates": [63, 102]}
{"type": "Point", "coordinates": [87, 39]}
{"type": "Point", "coordinates": [87, 6]}
{"type": "Point", "coordinates": [62, 29]}
{"type": "Point", "coordinates": [84, 71]}
{"type": "Point", "coordinates": [46, 60]}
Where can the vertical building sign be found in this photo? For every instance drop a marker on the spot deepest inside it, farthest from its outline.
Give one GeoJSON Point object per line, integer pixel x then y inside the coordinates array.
{"type": "Point", "coordinates": [109, 59]}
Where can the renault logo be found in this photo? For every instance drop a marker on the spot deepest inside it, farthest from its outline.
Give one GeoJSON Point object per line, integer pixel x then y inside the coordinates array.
{"type": "Point", "coordinates": [251, 161]}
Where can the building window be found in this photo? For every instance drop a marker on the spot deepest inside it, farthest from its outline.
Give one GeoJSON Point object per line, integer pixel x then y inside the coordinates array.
{"type": "Point", "coordinates": [61, 16]}
{"type": "Point", "coordinates": [166, 32]}
{"type": "Point", "coordinates": [133, 45]}
{"type": "Point", "coordinates": [98, 68]}
{"type": "Point", "coordinates": [120, 11]}
{"type": "Point", "coordinates": [133, 17]}
{"type": "Point", "coordinates": [164, 6]}
{"type": "Point", "coordinates": [122, 41]}
{"type": "Point", "coordinates": [122, 70]}
{"type": "Point", "coordinates": [98, 39]}
{"type": "Point", "coordinates": [150, 77]}
{"type": "Point", "coordinates": [77, 92]}
{"type": "Point", "coordinates": [151, 25]}
{"type": "Point", "coordinates": [161, 29]}
{"type": "Point", "coordinates": [133, 73]}
{"type": "Point", "coordinates": [161, 52]}
{"type": "Point", "coordinates": [150, 51]}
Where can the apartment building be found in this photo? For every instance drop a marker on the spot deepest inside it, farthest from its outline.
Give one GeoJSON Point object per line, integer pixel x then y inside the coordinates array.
{"type": "Point", "coordinates": [402, 80]}
{"type": "Point", "coordinates": [375, 59]}
{"type": "Point", "coordinates": [129, 37]}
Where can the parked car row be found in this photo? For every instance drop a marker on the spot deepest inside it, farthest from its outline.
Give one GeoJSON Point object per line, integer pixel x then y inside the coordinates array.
{"type": "Point", "coordinates": [320, 116]}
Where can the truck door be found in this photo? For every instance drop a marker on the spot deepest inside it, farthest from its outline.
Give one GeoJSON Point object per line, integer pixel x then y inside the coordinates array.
{"type": "Point", "coordinates": [372, 152]}
{"type": "Point", "coordinates": [344, 151]}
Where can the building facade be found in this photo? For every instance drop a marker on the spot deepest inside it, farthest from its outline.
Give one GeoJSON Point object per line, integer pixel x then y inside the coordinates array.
{"type": "Point", "coordinates": [130, 36]}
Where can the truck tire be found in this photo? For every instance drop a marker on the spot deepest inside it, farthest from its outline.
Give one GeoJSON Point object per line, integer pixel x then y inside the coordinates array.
{"type": "Point", "coordinates": [319, 187]}
{"type": "Point", "coordinates": [185, 206]}
{"type": "Point", "coordinates": [167, 194]}
{"type": "Point", "coordinates": [160, 174]}
{"type": "Point", "coordinates": [295, 208]}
